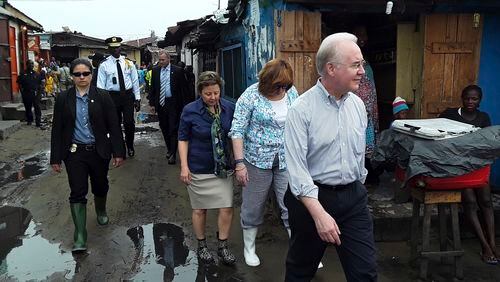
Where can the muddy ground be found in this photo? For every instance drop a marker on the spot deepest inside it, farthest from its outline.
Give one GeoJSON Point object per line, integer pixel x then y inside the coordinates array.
{"type": "Point", "coordinates": [147, 203]}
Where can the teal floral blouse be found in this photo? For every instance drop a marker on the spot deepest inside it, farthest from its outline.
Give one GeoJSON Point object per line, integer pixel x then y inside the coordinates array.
{"type": "Point", "coordinates": [254, 122]}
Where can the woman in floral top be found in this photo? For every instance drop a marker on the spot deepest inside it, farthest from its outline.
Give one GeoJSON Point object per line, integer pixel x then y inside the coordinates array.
{"type": "Point", "coordinates": [257, 132]}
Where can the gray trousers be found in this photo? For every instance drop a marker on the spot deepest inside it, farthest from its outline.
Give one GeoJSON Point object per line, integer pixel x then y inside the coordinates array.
{"type": "Point", "coordinates": [255, 194]}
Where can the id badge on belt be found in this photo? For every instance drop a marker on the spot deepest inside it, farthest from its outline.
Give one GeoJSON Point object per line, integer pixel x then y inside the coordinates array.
{"type": "Point", "coordinates": [73, 147]}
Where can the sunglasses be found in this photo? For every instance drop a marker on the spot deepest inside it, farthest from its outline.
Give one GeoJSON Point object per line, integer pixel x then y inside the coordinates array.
{"type": "Point", "coordinates": [79, 74]}
{"type": "Point", "coordinates": [282, 86]}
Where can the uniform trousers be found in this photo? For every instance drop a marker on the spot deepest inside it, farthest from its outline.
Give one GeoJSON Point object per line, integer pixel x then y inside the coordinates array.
{"type": "Point", "coordinates": [255, 194]}
{"type": "Point", "coordinates": [81, 165]}
{"type": "Point", "coordinates": [168, 118]}
{"type": "Point", "coordinates": [124, 104]}
{"type": "Point", "coordinates": [347, 204]}
{"type": "Point", "coordinates": [32, 100]}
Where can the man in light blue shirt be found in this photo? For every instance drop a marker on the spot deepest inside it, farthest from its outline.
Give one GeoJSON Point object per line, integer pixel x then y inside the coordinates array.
{"type": "Point", "coordinates": [324, 151]}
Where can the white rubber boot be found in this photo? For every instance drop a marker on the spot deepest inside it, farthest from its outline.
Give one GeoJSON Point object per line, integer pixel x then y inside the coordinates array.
{"type": "Point", "coordinates": [251, 257]}
{"type": "Point", "coordinates": [320, 265]}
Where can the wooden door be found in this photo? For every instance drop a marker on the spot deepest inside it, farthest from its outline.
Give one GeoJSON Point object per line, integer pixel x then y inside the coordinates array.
{"type": "Point", "coordinates": [13, 59]}
{"type": "Point", "coordinates": [451, 59]}
{"type": "Point", "coordinates": [409, 58]}
{"type": "Point", "coordinates": [5, 79]}
{"type": "Point", "coordinates": [298, 35]}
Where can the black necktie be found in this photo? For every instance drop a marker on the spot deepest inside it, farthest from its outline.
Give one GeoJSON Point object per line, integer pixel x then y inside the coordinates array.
{"type": "Point", "coordinates": [121, 81]}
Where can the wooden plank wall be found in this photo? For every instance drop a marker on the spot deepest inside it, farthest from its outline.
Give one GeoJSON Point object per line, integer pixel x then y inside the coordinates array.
{"type": "Point", "coordinates": [298, 35]}
{"type": "Point", "coordinates": [451, 60]}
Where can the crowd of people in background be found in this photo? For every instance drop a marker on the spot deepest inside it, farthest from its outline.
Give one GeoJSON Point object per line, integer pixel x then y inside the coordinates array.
{"type": "Point", "coordinates": [57, 77]}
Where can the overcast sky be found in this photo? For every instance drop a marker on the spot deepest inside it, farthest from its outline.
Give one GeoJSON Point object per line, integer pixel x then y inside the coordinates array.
{"type": "Point", "coordinates": [130, 19]}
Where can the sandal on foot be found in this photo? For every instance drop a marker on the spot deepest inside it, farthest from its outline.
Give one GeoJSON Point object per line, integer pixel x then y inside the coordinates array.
{"type": "Point", "coordinates": [492, 260]}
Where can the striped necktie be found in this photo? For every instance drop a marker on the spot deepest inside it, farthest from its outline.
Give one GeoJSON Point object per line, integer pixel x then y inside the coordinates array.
{"type": "Point", "coordinates": [163, 86]}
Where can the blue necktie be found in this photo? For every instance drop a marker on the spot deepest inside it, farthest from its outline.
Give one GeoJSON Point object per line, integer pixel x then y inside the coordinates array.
{"type": "Point", "coordinates": [163, 87]}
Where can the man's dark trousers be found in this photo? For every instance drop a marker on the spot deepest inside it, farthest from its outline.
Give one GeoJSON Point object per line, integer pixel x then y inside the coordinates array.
{"type": "Point", "coordinates": [124, 104]}
{"type": "Point", "coordinates": [32, 100]}
{"type": "Point", "coordinates": [347, 205]}
{"type": "Point", "coordinates": [168, 118]}
{"type": "Point", "coordinates": [81, 165]}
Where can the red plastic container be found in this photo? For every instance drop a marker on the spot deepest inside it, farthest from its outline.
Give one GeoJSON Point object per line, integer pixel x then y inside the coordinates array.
{"type": "Point", "coordinates": [475, 179]}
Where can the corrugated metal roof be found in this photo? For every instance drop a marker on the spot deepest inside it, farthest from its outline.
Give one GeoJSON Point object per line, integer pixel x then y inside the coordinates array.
{"type": "Point", "coordinates": [5, 12]}
{"type": "Point", "coordinates": [407, 6]}
{"type": "Point", "coordinates": [80, 40]}
{"type": "Point", "coordinates": [15, 13]}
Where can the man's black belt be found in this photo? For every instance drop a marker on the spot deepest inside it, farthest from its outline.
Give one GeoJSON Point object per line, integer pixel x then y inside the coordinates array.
{"type": "Point", "coordinates": [128, 91]}
{"type": "Point", "coordinates": [331, 187]}
{"type": "Point", "coordinates": [82, 147]}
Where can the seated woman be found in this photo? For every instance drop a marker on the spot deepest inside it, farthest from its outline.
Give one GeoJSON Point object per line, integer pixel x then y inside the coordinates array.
{"type": "Point", "coordinates": [206, 167]}
{"type": "Point", "coordinates": [469, 113]}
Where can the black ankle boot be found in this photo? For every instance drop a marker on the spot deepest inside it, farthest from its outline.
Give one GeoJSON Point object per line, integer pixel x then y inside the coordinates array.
{"type": "Point", "coordinates": [225, 254]}
{"type": "Point", "coordinates": [204, 253]}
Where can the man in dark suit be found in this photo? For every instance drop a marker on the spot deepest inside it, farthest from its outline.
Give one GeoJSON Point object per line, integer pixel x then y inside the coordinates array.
{"type": "Point", "coordinates": [85, 135]}
{"type": "Point", "coordinates": [97, 59]}
{"type": "Point", "coordinates": [167, 97]}
{"type": "Point", "coordinates": [30, 84]}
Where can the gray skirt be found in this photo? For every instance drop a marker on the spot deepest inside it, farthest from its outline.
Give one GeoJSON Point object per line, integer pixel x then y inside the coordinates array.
{"type": "Point", "coordinates": [208, 191]}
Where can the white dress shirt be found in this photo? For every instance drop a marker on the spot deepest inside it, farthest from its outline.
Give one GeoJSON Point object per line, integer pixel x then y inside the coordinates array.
{"type": "Point", "coordinates": [108, 70]}
{"type": "Point", "coordinates": [324, 141]}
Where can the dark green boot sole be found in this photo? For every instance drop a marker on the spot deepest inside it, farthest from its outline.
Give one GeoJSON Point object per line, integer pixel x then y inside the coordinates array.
{"type": "Point", "coordinates": [79, 215]}
{"type": "Point", "coordinates": [100, 210]}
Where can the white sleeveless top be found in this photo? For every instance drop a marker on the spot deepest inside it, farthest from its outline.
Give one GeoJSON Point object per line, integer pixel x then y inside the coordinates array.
{"type": "Point", "coordinates": [280, 108]}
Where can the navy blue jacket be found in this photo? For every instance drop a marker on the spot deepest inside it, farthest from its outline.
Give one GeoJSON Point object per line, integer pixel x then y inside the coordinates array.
{"type": "Point", "coordinates": [195, 126]}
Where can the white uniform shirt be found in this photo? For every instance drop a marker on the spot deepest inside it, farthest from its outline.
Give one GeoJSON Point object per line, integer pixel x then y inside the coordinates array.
{"type": "Point", "coordinates": [108, 70]}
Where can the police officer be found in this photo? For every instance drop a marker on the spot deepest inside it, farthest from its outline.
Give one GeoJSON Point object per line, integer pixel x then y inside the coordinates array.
{"type": "Point", "coordinates": [118, 75]}
{"type": "Point", "coordinates": [30, 84]}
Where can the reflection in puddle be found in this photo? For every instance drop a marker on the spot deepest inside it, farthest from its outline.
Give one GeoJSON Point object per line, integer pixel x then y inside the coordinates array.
{"type": "Point", "coordinates": [23, 169]}
{"type": "Point", "coordinates": [24, 254]}
{"type": "Point", "coordinates": [143, 117]}
{"type": "Point", "coordinates": [145, 129]}
{"type": "Point", "coordinates": [161, 255]}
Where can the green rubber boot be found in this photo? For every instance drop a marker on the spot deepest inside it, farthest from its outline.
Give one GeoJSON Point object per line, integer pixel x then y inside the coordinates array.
{"type": "Point", "coordinates": [100, 210]}
{"type": "Point", "coordinates": [79, 214]}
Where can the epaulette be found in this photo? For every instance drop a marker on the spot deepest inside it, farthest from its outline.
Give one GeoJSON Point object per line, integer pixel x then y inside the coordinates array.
{"type": "Point", "coordinates": [129, 63]}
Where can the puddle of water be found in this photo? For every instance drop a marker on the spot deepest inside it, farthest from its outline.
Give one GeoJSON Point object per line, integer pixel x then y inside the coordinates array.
{"type": "Point", "coordinates": [145, 129]}
{"type": "Point", "coordinates": [24, 254]}
{"type": "Point", "coordinates": [23, 169]}
{"type": "Point", "coordinates": [144, 117]}
{"type": "Point", "coordinates": [161, 255]}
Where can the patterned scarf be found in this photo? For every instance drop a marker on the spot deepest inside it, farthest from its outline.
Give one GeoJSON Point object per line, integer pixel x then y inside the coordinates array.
{"type": "Point", "coordinates": [218, 144]}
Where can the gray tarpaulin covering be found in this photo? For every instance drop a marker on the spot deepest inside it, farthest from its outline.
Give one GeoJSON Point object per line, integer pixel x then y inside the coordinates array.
{"type": "Point", "coordinates": [438, 158]}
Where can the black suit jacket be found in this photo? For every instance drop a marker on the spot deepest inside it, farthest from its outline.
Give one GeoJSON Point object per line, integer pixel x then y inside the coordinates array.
{"type": "Point", "coordinates": [103, 119]}
{"type": "Point", "coordinates": [178, 87]}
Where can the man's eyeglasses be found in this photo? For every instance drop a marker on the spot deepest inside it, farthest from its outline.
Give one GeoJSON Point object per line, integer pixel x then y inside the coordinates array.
{"type": "Point", "coordinates": [355, 66]}
{"type": "Point", "coordinates": [78, 74]}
